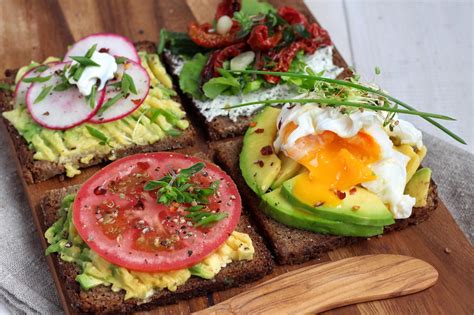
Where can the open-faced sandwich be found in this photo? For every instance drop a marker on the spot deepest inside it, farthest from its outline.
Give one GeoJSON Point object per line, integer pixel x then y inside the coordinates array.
{"type": "Point", "coordinates": [105, 99]}
{"type": "Point", "coordinates": [244, 35]}
{"type": "Point", "coordinates": [150, 229]}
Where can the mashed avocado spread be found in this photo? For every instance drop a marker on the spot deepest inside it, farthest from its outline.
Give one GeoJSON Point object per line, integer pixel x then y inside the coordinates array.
{"type": "Point", "coordinates": [158, 117]}
{"type": "Point", "coordinates": [64, 240]}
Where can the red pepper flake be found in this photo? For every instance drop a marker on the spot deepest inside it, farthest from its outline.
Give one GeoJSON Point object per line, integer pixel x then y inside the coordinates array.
{"type": "Point", "coordinates": [259, 130]}
{"type": "Point", "coordinates": [252, 124]}
{"type": "Point", "coordinates": [340, 194]}
{"type": "Point", "coordinates": [104, 50]}
{"type": "Point", "coordinates": [259, 163]}
{"type": "Point", "coordinates": [353, 190]}
{"type": "Point", "coordinates": [266, 150]}
{"type": "Point", "coordinates": [137, 101]}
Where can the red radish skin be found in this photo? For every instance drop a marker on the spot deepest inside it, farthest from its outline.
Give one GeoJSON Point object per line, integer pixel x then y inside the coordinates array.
{"type": "Point", "coordinates": [125, 106]}
{"type": "Point", "coordinates": [22, 87]}
{"type": "Point", "coordinates": [111, 43]}
{"type": "Point", "coordinates": [60, 110]}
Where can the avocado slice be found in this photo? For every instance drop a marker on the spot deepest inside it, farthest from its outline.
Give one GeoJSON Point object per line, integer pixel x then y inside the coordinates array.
{"type": "Point", "coordinates": [275, 205]}
{"type": "Point", "coordinates": [88, 282]}
{"type": "Point", "coordinates": [202, 271]}
{"type": "Point", "coordinates": [418, 186]}
{"type": "Point", "coordinates": [360, 207]}
{"type": "Point", "coordinates": [289, 168]}
{"type": "Point", "coordinates": [258, 162]}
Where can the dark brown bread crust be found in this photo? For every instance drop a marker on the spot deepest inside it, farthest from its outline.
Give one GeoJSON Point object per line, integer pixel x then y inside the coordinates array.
{"type": "Point", "coordinates": [102, 300]}
{"type": "Point", "coordinates": [34, 171]}
{"type": "Point", "coordinates": [291, 245]}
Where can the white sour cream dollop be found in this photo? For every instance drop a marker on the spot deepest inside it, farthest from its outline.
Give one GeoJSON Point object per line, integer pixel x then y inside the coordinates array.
{"type": "Point", "coordinates": [104, 72]}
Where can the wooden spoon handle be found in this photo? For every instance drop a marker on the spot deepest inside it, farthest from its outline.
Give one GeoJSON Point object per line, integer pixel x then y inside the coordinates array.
{"type": "Point", "coordinates": [323, 287]}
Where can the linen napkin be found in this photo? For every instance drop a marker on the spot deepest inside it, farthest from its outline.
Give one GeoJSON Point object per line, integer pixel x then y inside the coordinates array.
{"type": "Point", "coordinates": [26, 285]}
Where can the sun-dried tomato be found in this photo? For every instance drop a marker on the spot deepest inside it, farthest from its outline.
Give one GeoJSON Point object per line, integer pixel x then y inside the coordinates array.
{"type": "Point", "coordinates": [217, 58]}
{"type": "Point", "coordinates": [259, 39]}
{"type": "Point", "coordinates": [292, 16]}
{"type": "Point", "coordinates": [284, 57]}
{"type": "Point", "coordinates": [201, 36]}
{"type": "Point", "coordinates": [227, 7]}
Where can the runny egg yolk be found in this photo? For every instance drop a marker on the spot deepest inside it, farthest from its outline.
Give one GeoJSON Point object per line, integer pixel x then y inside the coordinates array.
{"type": "Point", "coordinates": [334, 164]}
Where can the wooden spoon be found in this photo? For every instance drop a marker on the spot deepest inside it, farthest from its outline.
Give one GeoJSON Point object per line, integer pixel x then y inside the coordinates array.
{"type": "Point", "coordinates": [323, 287]}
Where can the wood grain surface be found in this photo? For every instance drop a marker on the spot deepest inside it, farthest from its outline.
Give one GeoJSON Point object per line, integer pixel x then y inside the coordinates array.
{"type": "Point", "coordinates": [35, 29]}
{"type": "Point", "coordinates": [311, 289]}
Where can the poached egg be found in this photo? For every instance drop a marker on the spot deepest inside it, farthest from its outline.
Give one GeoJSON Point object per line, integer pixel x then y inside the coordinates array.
{"type": "Point", "coordinates": [343, 150]}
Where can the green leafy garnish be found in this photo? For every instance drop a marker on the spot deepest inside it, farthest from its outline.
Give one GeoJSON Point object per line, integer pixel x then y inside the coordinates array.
{"type": "Point", "coordinates": [220, 85]}
{"type": "Point", "coordinates": [332, 83]}
{"type": "Point", "coordinates": [377, 70]}
{"type": "Point", "coordinates": [110, 103]}
{"type": "Point", "coordinates": [178, 43]}
{"type": "Point", "coordinates": [85, 61]}
{"type": "Point", "coordinates": [255, 7]}
{"type": "Point", "coordinates": [44, 92]}
{"type": "Point", "coordinates": [41, 68]}
{"type": "Point", "coordinates": [37, 79]}
{"type": "Point", "coordinates": [78, 73]}
{"type": "Point", "coordinates": [5, 86]}
{"type": "Point", "coordinates": [90, 51]}
{"type": "Point", "coordinates": [63, 86]}
{"type": "Point", "coordinates": [128, 85]}
{"type": "Point", "coordinates": [91, 97]}
{"type": "Point", "coordinates": [190, 76]}
{"type": "Point", "coordinates": [120, 60]}
{"type": "Point", "coordinates": [178, 187]}
{"type": "Point", "coordinates": [245, 21]}
{"type": "Point", "coordinates": [104, 140]}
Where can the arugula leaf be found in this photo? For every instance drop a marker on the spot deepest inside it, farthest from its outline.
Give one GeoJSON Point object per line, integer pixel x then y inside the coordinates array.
{"type": "Point", "coordinates": [221, 85]}
{"type": "Point", "coordinates": [245, 21]}
{"type": "Point", "coordinates": [98, 134]}
{"type": "Point", "coordinates": [190, 76]}
{"type": "Point", "coordinates": [44, 92]}
{"type": "Point", "coordinates": [256, 7]}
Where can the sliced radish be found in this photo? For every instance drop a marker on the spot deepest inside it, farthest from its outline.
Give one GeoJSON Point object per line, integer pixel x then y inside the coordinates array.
{"type": "Point", "coordinates": [59, 109]}
{"type": "Point", "coordinates": [113, 44]}
{"type": "Point", "coordinates": [128, 104]}
{"type": "Point", "coordinates": [22, 87]}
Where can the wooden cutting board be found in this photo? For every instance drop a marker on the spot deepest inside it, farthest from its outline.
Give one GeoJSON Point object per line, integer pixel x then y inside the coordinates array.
{"type": "Point", "coordinates": [33, 30]}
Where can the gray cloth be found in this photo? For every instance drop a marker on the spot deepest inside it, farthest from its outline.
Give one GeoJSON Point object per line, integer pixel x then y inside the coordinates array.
{"type": "Point", "coordinates": [26, 285]}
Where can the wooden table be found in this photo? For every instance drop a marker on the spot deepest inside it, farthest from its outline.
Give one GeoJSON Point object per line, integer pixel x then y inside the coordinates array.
{"type": "Point", "coordinates": [36, 29]}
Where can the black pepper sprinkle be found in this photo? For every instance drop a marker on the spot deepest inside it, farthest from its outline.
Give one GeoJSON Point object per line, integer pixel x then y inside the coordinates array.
{"type": "Point", "coordinates": [190, 252]}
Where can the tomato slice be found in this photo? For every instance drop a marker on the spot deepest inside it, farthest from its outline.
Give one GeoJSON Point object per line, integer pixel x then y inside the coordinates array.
{"type": "Point", "coordinates": [125, 225]}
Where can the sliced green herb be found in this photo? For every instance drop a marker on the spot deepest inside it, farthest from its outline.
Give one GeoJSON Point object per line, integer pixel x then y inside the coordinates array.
{"type": "Point", "coordinates": [85, 61]}
{"type": "Point", "coordinates": [5, 86]}
{"type": "Point", "coordinates": [110, 103]}
{"type": "Point", "coordinates": [44, 92]}
{"type": "Point", "coordinates": [78, 73]}
{"type": "Point", "coordinates": [41, 68]}
{"type": "Point", "coordinates": [91, 98]}
{"type": "Point", "coordinates": [128, 85]}
{"type": "Point", "coordinates": [63, 86]}
{"type": "Point", "coordinates": [377, 70]}
{"type": "Point", "coordinates": [91, 51]}
{"type": "Point", "coordinates": [98, 134]}
{"type": "Point", "coordinates": [120, 60]}
{"type": "Point", "coordinates": [37, 79]}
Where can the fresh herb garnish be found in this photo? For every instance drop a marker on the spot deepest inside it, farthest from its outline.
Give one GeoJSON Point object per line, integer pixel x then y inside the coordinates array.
{"type": "Point", "coordinates": [5, 86]}
{"type": "Point", "coordinates": [78, 73]}
{"type": "Point", "coordinates": [377, 70]}
{"type": "Point", "coordinates": [84, 61]}
{"type": "Point", "coordinates": [120, 60]}
{"type": "Point", "coordinates": [177, 187]}
{"type": "Point", "coordinates": [91, 51]}
{"type": "Point", "coordinates": [104, 140]}
{"type": "Point", "coordinates": [44, 92]}
{"type": "Point", "coordinates": [356, 86]}
{"type": "Point", "coordinates": [37, 79]}
{"type": "Point", "coordinates": [110, 103]}
{"type": "Point", "coordinates": [41, 68]}
{"type": "Point", "coordinates": [91, 98]}
{"type": "Point", "coordinates": [128, 85]}
{"type": "Point", "coordinates": [63, 86]}
{"type": "Point", "coordinates": [245, 22]}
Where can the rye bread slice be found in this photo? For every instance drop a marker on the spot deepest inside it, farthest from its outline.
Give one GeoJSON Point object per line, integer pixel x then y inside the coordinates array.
{"type": "Point", "coordinates": [102, 299]}
{"type": "Point", "coordinates": [34, 171]}
{"type": "Point", "coordinates": [290, 245]}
